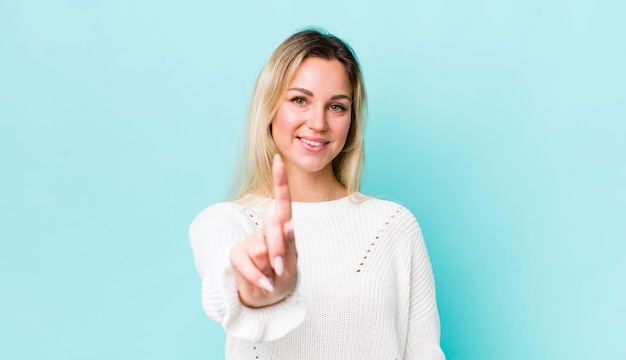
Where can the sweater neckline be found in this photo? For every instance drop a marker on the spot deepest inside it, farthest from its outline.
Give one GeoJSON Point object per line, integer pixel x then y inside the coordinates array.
{"type": "Point", "coordinates": [308, 209]}
{"type": "Point", "coordinates": [311, 209]}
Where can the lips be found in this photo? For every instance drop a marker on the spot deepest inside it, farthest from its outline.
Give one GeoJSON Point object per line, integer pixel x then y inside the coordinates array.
{"type": "Point", "coordinates": [313, 143]}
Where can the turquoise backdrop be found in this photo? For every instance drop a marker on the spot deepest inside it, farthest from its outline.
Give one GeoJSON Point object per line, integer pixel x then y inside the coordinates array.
{"type": "Point", "coordinates": [500, 124]}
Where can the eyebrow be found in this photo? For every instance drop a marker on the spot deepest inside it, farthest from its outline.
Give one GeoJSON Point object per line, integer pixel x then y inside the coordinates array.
{"type": "Point", "coordinates": [310, 93]}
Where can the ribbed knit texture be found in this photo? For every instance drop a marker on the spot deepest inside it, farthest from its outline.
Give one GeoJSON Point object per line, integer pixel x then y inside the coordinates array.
{"type": "Point", "coordinates": [365, 285]}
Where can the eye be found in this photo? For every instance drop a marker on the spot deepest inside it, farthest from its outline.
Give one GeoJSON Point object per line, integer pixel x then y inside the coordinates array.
{"type": "Point", "coordinates": [337, 108]}
{"type": "Point", "coordinates": [299, 100]}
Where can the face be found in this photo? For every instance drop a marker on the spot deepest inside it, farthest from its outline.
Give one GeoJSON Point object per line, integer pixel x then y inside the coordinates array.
{"type": "Point", "coordinates": [312, 122]}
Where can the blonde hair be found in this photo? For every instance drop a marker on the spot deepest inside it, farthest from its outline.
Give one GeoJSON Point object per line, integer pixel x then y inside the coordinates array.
{"type": "Point", "coordinates": [254, 175]}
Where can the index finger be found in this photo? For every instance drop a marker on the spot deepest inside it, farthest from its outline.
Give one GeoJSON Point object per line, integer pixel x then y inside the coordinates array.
{"type": "Point", "coordinates": [281, 189]}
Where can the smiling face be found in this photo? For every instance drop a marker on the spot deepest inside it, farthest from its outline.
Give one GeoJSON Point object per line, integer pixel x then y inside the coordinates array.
{"type": "Point", "coordinates": [312, 122]}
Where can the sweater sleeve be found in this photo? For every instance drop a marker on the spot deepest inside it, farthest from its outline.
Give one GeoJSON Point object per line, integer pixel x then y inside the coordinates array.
{"type": "Point", "coordinates": [212, 235]}
{"type": "Point", "coordinates": [423, 338]}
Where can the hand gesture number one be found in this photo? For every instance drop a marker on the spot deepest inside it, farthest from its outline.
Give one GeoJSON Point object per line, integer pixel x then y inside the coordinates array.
{"type": "Point", "coordinates": [265, 262]}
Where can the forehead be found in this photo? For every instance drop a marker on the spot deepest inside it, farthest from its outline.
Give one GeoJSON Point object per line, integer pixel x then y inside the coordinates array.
{"type": "Point", "coordinates": [323, 77]}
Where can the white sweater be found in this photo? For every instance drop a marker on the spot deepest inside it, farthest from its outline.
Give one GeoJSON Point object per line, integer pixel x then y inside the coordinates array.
{"type": "Point", "coordinates": [365, 286]}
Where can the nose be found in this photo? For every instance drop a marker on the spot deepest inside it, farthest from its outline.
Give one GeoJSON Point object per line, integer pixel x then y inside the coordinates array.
{"type": "Point", "coordinates": [317, 119]}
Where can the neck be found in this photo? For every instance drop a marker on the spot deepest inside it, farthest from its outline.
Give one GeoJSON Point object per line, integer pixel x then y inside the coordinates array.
{"type": "Point", "coordinates": [315, 187]}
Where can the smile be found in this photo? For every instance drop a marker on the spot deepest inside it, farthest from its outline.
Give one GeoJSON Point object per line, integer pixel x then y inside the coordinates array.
{"type": "Point", "coordinates": [314, 144]}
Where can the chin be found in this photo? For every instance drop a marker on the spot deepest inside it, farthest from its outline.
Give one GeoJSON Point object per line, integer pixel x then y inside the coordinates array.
{"type": "Point", "coordinates": [313, 166]}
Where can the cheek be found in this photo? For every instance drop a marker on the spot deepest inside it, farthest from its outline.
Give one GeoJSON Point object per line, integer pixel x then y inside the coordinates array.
{"type": "Point", "coordinates": [277, 124]}
{"type": "Point", "coordinates": [283, 120]}
{"type": "Point", "coordinates": [344, 129]}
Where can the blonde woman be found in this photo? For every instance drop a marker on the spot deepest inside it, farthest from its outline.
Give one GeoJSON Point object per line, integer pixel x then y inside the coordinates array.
{"type": "Point", "coordinates": [300, 264]}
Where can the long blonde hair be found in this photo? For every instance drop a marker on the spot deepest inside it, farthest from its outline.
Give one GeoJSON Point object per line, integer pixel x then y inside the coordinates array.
{"type": "Point", "coordinates": [254, 175]}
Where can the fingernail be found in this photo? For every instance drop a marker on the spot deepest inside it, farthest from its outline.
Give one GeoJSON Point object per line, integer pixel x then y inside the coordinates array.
{"type": "Point", "coordinates": [266, 284]}
{"type": "Point", "coordinates": [277, 158]}
{"type": "Point", "coordinates": [279, 267]}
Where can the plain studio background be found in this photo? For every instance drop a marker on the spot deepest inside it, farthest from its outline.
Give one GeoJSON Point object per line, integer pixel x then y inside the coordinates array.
{"type": "Point", "coordinates": [499, 124]}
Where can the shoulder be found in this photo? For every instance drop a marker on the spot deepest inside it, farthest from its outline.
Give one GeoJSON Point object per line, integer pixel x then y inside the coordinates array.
{"type": "Point", "coordinates": [223, 214]}
{"type": "Point", "coordinates": [219, 211]}
{"type": "Point", "coordinates": [393, 213]}
{"type": "Point", "coordinates": [377, 205]}
{"type": "Point", "coordinates": [246, 213]}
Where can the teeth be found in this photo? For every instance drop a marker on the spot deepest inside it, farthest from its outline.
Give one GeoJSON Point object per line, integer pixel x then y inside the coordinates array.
{"type": "Point", "coordinates": [311, 142]}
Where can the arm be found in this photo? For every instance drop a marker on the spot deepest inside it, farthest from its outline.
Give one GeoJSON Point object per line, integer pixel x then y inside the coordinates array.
{"type": "Point", "coordinates": [213, 233]}
{"type": "Point", "coordinates": [424, 329]}
{"type": "Point", "coordinates": [249, 277]}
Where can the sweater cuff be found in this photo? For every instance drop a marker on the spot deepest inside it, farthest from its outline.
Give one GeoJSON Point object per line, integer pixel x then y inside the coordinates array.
{"type": "Point", "coordinates": [260, 324]}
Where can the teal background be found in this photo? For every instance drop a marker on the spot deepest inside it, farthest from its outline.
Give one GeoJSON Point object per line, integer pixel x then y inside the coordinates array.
{"type": "Point", "coordinates": [500, 124]}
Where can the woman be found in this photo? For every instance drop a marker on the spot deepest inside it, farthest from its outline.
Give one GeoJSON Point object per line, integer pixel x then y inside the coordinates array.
{"type": "Point", "coordinates": [359, 285]}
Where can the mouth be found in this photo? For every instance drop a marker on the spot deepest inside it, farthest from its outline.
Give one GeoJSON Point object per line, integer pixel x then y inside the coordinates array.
{"type": "Point", "coordinates": [312, 143]}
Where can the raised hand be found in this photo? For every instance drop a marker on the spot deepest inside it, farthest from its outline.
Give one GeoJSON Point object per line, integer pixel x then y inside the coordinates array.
{"type": "Point", "coordinates": [265, 263]}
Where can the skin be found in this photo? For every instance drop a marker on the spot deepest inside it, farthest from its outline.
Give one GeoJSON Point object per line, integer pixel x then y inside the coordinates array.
{"type": "Point", "coordinates": [317, 106]}
{"type": "Point", "coordinates": [310, 129]}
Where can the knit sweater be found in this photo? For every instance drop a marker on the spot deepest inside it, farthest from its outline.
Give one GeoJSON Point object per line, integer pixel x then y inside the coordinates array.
{"type": "Point", "coordinates": [365, 287]}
